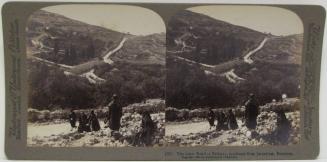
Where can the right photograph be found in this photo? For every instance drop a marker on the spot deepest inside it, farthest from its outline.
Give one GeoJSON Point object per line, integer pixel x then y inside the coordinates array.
{"type": "Point", "coordinates": [233, 76]}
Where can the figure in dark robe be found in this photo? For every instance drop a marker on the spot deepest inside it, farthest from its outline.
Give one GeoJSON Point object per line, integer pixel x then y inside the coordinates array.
{"type": "Point", "coordinates": [251, 112]}
{"type": "Point", "coordinates": [94, 122]}
{"type": "Point", "coordinates": [72, 119]}
{"type": "Point", "coordinates": [83, 123]}
{"type": "Point", "coordinates": [282, 131]}
{"type": "Point", "coordinates": [211, 118]}
{"type": "Point", "coordinates": [115, 114]}
{"type": "Point", "coordinates": [221, 121]}
{"type": "Point", "coordinates": [231, 120]}
{"type": "Point", "coordinates": [148, 128]}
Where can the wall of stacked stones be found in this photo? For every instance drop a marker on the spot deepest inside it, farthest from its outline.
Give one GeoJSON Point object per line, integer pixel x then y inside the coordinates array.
{"type": "Point", "coordinates": [153, 106]}
{"type": "Point", "coordinates": [174, 114]}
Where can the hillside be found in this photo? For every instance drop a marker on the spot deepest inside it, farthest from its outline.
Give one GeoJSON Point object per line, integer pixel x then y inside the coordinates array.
{"type": "Point", "coordinates": [64, 40]}
{"type": "Point", "coordinates": [222, 69]}
{"type": "Point", "coordinates": [67, 57]}
{"type": "Point", "coordinates": [207, 40]}
{"type": "Point", "coordinates": [149, 49]}
{"type": "Point", "coordinates": [284, 49]}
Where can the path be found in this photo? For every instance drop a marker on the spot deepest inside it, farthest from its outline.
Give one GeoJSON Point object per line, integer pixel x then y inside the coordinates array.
{"type": "Point", "coordinates": [197, 129]}
{"type": "Point", "coordinates": [184, 129]}
{"type": "Point", "coordinates": [247, 58]}
{"type": "Point", "coordinates": [232, 77]}
{"type": "Point", "coordinates": [181, 42]}
{"type": "Point", "coordinates": [194, 62]}
{"type": "Point", "coordinates": [106, 58]}
{"type": "Point", "coordinates": [91, 77]}
{"type": "Point", "coordinates": [52, 63]}
{"type": "Point", "coordinates": [35, 130]}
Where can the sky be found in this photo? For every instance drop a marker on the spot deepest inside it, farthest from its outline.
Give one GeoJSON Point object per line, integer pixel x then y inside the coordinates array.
{"type": "Point", "coordinates": [123, 18]}
{"type": "Point", "coordinates": [274, 20]}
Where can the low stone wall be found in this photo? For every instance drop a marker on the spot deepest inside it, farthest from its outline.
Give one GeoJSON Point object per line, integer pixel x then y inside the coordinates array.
{"type": "Point", "coordinates": [152, 105]}
{"type": "Point", "coordinates": [289, 105]}
{"type": "Point", "coordinates": [174, 114]}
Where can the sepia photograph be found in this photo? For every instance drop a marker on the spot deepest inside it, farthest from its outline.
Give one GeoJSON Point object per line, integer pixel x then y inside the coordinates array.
{"type": "Point", "coordinates": [162, 81]}
{"type": "Point", "coordinates": [233, 76]}
{"type": "Point", "coordinates": [96, 76]}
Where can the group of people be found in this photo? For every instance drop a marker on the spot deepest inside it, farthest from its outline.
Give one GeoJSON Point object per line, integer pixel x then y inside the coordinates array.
{"type": "Point", "coordinates": [113, 121]}
{"type": "Point", "coordinates": [251, 113]}
{"type": "Point", "coordinates": [224, 122]}
{"type": "Point", "coordinates": [91, 122]}
{"type": "Point", "coordinates": [86, 123]}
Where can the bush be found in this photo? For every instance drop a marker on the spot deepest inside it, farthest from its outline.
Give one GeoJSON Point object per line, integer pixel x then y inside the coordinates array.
{"type": "Point", "coordinates": [51, 88]}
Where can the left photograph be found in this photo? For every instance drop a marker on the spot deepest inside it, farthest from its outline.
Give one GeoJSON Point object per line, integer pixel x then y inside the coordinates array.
{"type": "Point", "coordinates": [96, 76]}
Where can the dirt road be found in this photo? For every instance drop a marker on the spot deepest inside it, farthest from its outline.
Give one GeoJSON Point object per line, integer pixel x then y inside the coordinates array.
{"type": "Point", "coordinates": [107, 59]}
{"type": "Point", "coordinates": [184, 129]}
{"type": "Point", "coordinates": [190, 133]}
{"type": "Point", "coordinates": [247, 58]}
{"type": "Point", "coordinates": [56, 134]}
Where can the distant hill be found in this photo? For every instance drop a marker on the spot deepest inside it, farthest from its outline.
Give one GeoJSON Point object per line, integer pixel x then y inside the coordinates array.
{"type": "Point", "coordinates": [54, 37]}
{"type": "Point", "coordinates": [283, 49]}
{"type": "Point", "coordinates": [207, 40]}
{"type": "Point", "coordinates": [149, 49]}
{"type": "Point", "coordinates": [215, 63]}
{"type": "Point", "coordinates": [66, 66]}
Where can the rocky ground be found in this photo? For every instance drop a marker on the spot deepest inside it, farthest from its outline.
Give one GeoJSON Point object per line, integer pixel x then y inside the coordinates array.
{"type": "Point", "coordinates": [59, 134]}
{"type": "Point", "coordinates": [52, 130]}
{"type": "Point", "coordinates": [193, 133]}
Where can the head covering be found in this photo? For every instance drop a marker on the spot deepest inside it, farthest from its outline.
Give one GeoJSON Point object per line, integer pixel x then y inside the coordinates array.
{"type": "Point", "coordinates": [114, 96]}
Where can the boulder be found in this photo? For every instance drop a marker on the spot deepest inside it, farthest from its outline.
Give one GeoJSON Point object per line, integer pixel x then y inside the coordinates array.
{"type": "Point", "coordinates": [266, 123]}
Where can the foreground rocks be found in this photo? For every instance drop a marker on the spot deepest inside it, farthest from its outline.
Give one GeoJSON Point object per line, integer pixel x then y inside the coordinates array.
{"type": "Point", "coordinates": [264, 134]}
{"type": "Point", "coordinates": [103, 138]}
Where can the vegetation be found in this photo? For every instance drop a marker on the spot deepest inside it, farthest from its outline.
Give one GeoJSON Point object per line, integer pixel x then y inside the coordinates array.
{"type": "Point", "coordinates": [189, 87]}
{"type": "Point", "coordinates": [195, 89]}
{"type": "Point", "coordinates": [137, 73]}
{"type": "Point", "coordinates": [70, 55]}
{"type": "Point", "coordinates": [209, 40]}
{"type": "Point", "coordinates": [50, 88]}
{"type": "Point", "coordinates": [63, 40]}
{"type": "Point", "coordinates": [202, 39]}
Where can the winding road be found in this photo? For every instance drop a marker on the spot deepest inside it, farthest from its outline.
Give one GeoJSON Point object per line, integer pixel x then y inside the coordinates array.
{"type": "Point", "coordinates": [52, 63]}
{"type": "Point", "coordinates": [194, 62]}
{"type": "Point", "coordinates": [68, 70]}
{"type": "Point", "coordinates": [106, 58]}
{"type": "Point", "coordinates": [180, 42]}
{"type": "Point", "coordinates": [247, 58]}
{"type": "Point", "coordinates": [230, 74]}
{"type": "Point", "coordinates": [91, 77]}
{"type": "Point", "coordinates": [232, 77]}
